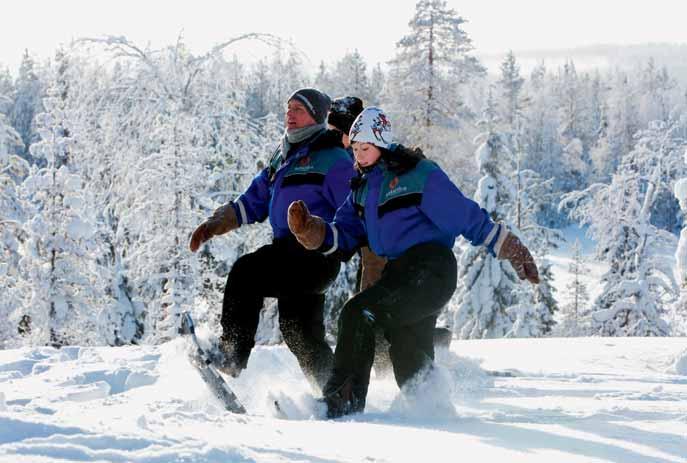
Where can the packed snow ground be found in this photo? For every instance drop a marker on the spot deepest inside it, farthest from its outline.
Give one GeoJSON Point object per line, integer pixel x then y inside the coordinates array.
{"type": "Point", "coordinates": [571, 400]}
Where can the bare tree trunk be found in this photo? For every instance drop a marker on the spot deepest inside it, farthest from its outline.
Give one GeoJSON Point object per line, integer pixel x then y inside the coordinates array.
{"type": "Point", "coordinates": [430, 87]}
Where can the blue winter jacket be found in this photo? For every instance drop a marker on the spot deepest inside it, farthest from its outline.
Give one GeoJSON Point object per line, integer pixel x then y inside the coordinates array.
{"type": "Point", "coordinates": [393, 213]}
{"type": "Point", "coordinates": [317, 172]}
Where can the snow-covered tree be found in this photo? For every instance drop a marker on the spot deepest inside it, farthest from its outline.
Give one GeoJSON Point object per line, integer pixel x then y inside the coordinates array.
{"type": "Point", "coordinates": [575, 149]}
{"type": "Point", "coordinates": [10, 140]}
{"type": "Point", "coordinates": [186, 146]}
{"type": "Point", "coordinates": [510, 84]}
{"type": "Point", "coordinates": [568, 88]}
{"type": "Point", "coordinates": [533, 195]}
{"type": "Point", "coordinates": [531, 318]}
{"type": "Point", "coordinates": [575, 313]}
{"type": "Point", "coordinates": [594, 122]}
{"type": "Point", "coordinates": [58, 257]}
{"type": "Point", "coordinates": [655, 87]}
{"type": "Point", "coordinates": [6, 88]}
{"type": "Point", "coordinates": [431, 64]}
{"type": "Point", "coordinates": [161, 182]}
{"type": "Point", "coordinates": [351, 77]}
{"type": "Point", "coordinates": [680, 309]}
{"type": "Point", "coordinates": [324, 81]}
{"type": "Point", "coordinates": [377, 82]}
{"type": "Point", "coordinates": [287, 76]}
{"type": "Point", "coordinates": [13, 169]}
{"type": "Point", "coordinates": [27, 101]}
{"type": "Point", "coordinates": [486, 285]}
{"type": "Point", "coordinates": [540, 145]}
{"type": "Point", "coordinates": [533, 314]}
{"type": "Point", "coordinates": [618, 127]}
{"type": "Point", "coordinates": [639, 283]}
{"type": "Point", "coordinates": [257, 103]}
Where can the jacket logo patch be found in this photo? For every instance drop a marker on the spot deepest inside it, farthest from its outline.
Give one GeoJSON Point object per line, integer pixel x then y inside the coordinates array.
{"type": "Point", "coordinates": [303, 165]}
{"type": "Point", "coordinates": [393, 183]}
{"type": "Point", "coordinates": [395, 190]}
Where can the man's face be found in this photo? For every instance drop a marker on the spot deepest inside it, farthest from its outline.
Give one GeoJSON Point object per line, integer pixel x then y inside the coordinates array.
{"type": "Point", "coordinates": [297, 116]}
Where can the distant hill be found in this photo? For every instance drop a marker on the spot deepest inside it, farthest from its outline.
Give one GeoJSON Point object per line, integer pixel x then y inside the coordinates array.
{"type": "Point", "coordinates": [673, 56]}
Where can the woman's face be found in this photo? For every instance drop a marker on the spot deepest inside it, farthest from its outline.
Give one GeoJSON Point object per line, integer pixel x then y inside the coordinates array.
{"type": "Point", "coordinates": [366, 154]}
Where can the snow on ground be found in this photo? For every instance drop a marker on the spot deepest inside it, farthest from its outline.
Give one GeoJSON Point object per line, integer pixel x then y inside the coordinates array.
{"type": "Point", "coordinates": [571, 400]}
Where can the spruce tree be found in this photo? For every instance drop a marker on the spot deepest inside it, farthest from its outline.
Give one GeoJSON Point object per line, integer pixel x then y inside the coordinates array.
{"type": "Point", "coordinates": [59, 265]}
{"type": "Point", "coordinates": [432, 62]}
{"type": "Point", "coordinates": [619, 215]}
{"type": "Point", "coordinates": [13, 170]}
{"type": "Point", "coordinates": [486, 285]}
{"type": "Point", "coordinates": [27, 102]}
{"type": "Point", "coordinates": [510, 84]}
{"type": "Point", "coordinates": [575, 312]}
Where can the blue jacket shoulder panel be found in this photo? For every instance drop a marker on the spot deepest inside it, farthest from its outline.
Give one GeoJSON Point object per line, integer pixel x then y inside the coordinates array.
{"type": "Point", "coordinates": [398, 191]}
{"type": "Point", "coordinates": [317, 172]}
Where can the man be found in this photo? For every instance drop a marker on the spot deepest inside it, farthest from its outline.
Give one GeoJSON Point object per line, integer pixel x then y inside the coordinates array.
{"type": "Point", "coordinates": [311, 165]}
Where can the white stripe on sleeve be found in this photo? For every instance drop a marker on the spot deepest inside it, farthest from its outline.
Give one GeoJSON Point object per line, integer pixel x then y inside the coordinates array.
{"type": "Point", "coordinates": [335, 235]}
{"type": "Point", "coordinates": [244, 217]}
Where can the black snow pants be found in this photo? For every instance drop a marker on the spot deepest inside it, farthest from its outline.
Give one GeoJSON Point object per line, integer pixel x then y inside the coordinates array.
{"type": "Point", "coordinates": [298, 279]}
{"type": "Point", "coordinates": [405, 303]}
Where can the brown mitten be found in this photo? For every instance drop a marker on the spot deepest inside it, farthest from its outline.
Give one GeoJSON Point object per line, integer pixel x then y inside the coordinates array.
{"type": "Point", "coordinates": [372, 267]}
{"type": "Point", "coordinates": [519, 257]}
{"type": "Point", "coordinates": [222, 221]}
{"type": "Point", "coordinates": [308, 229]}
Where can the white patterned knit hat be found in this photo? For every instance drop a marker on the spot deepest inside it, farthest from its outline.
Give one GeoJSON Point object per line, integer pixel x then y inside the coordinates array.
{"type": "Point", "coordinates": [372, 126]}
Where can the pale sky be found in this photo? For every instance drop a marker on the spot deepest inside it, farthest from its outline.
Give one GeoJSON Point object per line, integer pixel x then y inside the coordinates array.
{"type": "Point", "coordinates": [325, 30]}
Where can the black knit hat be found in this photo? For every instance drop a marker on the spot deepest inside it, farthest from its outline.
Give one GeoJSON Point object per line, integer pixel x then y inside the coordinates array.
{"type": "Point", "coordinates": [343, 112]}
{"type": "Point", "coordinates": [316, 103]}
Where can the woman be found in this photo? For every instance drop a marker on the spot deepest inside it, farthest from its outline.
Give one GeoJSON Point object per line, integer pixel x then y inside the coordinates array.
{"type": "Point", "coordinates": [342, 114]}
{"type": "Point", "coordinates": [407, 210]}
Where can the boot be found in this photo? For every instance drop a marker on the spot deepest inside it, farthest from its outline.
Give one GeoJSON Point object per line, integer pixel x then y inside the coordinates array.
{"type": "Point", "coordinates": [227, 361]}
{"type": "Point", "coordinates": [343, 400]}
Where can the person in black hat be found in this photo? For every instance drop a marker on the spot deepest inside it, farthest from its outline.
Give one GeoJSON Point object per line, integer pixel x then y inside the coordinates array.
{"type": "Point", "coordinates": [311, 165]}
{"type": "Point", "coordinates": [342, 113]}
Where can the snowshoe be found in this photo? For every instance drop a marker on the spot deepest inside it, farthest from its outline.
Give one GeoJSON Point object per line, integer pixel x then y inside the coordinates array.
{"type": "Point", "coordinates": [204, 363]}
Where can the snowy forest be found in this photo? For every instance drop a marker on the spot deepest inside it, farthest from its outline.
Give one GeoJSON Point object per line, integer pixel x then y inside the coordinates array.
{"type": "Point", "coordinates": [111, 153]}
